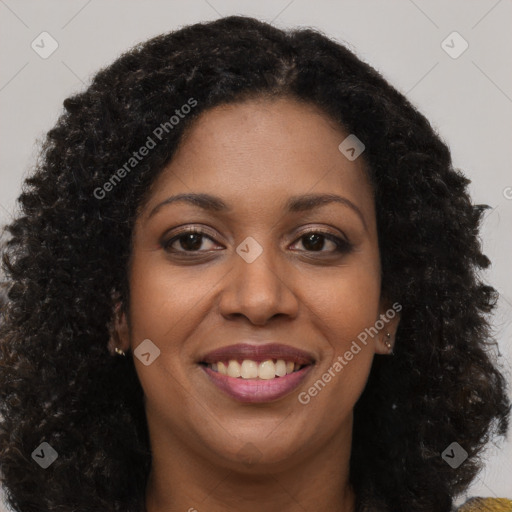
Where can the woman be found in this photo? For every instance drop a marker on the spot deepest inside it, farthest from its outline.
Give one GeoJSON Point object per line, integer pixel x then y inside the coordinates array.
{"type": "Point", "coordinates": [245, 277]}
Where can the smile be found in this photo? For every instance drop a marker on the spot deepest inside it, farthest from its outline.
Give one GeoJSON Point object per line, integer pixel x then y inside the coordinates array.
{"type": "Point", "coordinates": [256, 389]}
{"type": "Point", "coordinates": [249, 369]}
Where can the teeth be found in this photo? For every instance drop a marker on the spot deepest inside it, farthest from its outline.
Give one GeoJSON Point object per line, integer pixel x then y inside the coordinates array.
{"type": "Point", "coordinates": [281, 368]}
{"type": "Point", "coordinates": [249, 369]}
{"type": "Point", "coordinates": [233, 369]}
{"type": "Point", "coordinates": [265, 370]}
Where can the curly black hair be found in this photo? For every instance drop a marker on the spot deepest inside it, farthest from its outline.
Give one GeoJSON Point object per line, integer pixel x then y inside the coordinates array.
{"type": "Point", "coordinates": [66, 263]}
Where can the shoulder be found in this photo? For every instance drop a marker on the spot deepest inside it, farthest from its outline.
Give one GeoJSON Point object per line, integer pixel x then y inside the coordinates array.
{"type": "Point", "coordinates": [486, 505]}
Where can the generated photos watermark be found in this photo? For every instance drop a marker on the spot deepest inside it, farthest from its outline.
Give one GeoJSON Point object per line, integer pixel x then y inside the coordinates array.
{"type": "Point", "coordinates": [304, 397]}
{"type": "Point", "coordinates": [137, 156]}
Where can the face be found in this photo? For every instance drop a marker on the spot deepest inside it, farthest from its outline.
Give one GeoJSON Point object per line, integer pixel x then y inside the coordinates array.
{"type": "Point", "coordinates": [266, 265]}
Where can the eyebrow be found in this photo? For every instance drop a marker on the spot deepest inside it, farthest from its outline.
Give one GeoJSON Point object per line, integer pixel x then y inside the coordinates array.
{"type": "Point", "coordinates": [294, 204]}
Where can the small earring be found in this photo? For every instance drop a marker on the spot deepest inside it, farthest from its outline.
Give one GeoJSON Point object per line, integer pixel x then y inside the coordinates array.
{"type": "Point", "coordinates": [387, 342]}
{"type": "Point", "coordinates": [119, 351]}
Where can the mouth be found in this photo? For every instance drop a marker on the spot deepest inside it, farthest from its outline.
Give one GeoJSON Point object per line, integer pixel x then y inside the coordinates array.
{"type": "Point", "coordinates": [252, 373]}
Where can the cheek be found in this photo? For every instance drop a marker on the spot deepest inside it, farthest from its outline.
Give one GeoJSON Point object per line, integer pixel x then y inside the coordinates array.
{"type": "Point", "coordinates": [346, 303]}
{"type": "Point", "coordinates": [344, 307]}
{"type": "Point", "coordinates": [163, 299]}
{"type": "Point", "coordinates": [164, 304]}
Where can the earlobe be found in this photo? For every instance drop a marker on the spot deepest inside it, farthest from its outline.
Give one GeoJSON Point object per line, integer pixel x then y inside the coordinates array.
{"type": "Point", "coordinates": [387, 326]}
{"type": "Point", "coordinates": [119, 341]}
{"type": "Point", "coordinates": [387, 342]}
{"type": "Point", "coordinates": [384, 343]}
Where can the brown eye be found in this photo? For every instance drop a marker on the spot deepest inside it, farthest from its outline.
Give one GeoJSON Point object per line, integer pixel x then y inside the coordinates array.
{"type": "Point", "coordinates": [189, 241]}
{"type": "Point", "coordinates": [315, 241]}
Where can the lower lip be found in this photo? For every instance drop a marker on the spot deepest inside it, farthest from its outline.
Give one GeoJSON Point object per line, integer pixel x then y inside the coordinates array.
{"type": "Point", "coordinates": [257, 390]}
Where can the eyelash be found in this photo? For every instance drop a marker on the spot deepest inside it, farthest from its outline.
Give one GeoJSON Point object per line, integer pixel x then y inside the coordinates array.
{"type": "Point", "coordinates": [342, 246]}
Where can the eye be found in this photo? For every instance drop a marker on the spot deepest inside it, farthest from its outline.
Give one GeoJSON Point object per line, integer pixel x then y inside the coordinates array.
{"type": "Point", "coordinates": [315, 241]}
{"type": "Point", "coordinates": [190, 240]}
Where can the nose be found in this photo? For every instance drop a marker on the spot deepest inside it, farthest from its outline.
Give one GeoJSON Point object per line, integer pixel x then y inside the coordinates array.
{"type": "Point", "coordinates": [259, 290]}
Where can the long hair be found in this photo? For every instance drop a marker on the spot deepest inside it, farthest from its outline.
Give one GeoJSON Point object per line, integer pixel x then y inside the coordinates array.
{"type": "Point", "coordinates": [68, 251]}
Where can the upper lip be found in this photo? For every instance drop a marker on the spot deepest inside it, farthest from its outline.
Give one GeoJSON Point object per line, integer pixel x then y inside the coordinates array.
{"type": "Point", "coordinates": [258, 353]}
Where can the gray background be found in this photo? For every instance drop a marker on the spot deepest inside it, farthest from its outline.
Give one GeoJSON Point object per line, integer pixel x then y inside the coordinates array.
{"type": "Point", "coordinates": [467, 99]}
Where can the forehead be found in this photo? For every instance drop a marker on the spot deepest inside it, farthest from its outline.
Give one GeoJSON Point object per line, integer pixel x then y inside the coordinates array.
{"type": "Point", "coordinates": [262, 151]}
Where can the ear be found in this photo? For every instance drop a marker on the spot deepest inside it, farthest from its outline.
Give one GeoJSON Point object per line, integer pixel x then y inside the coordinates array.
{"type": "Point", "coordinates": [387, 325]}
{"type": "Point", "coordinates": [119, 330]}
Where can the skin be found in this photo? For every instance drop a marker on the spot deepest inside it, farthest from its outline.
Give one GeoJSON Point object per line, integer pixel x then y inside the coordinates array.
{"type": "Point", "coordinates": [254, 155]}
